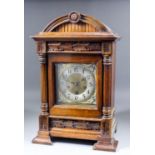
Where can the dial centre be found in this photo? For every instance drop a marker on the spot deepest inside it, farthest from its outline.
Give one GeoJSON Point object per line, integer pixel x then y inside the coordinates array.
{"type": "Point", "coordinates": [76, 83]}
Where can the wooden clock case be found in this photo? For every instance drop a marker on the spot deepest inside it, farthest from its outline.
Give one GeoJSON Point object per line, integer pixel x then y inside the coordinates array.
{"type": "Point", "coordinates": [77, 38]}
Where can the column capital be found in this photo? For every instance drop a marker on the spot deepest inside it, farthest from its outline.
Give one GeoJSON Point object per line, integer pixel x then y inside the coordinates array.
{"type": "Point", "coordinates": [106, 48]}
{"type": "Point", "coordinates": [41, 47]}
{"type": "Point", "coordinates": [42, 58]}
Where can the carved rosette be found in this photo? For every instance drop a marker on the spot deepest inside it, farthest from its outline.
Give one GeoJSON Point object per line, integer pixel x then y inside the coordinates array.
{"type": "Point", "coordinates": [74, 17]}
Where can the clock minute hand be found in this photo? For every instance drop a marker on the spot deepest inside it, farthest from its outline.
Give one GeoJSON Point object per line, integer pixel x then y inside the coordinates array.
{"type": "Point", "coordinates": [75, 83]}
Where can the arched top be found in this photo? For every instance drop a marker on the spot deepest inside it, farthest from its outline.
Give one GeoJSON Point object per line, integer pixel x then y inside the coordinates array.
{"type": "Point", "coordinates": [76, 22]}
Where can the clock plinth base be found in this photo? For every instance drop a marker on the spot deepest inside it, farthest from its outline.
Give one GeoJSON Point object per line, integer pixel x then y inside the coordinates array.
{"type": "Point", "coordinates": [106, 145]}
{"type": "Point", "coordinates": [42, 138]}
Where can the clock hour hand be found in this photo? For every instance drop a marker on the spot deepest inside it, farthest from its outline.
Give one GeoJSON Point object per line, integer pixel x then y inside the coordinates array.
{"type": "Point", "coordinates": [76, 84]}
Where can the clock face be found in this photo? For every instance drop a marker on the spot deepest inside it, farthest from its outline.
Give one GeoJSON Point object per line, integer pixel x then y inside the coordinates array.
{"type": "Point", "coordinates": [76, 83]}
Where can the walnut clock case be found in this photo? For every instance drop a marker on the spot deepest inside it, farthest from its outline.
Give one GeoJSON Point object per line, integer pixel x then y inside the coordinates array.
{"type": "Point", "coordinates": [77, 57]}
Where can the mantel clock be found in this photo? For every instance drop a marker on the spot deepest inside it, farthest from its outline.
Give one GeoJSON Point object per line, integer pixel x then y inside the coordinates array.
{"type": "Point", "coordinates": [77, 57]}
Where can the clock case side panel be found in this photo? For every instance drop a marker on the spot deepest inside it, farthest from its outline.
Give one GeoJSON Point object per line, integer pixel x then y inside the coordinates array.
{"type": "Point", "coordinates": [69, 110]}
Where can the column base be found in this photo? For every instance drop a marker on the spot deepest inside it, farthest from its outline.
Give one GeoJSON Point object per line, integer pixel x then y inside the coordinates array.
{"type": "Point", "coordinates": [106, 146]}
{"type": "Point", "coordinates": [43, 137]}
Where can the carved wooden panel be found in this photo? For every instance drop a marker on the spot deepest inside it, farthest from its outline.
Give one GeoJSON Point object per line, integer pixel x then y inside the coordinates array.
{"type": "Point", "coordinates": [74, 46]}
{"type": "Point", "coordinates": [106, 128]}
{"type": "Point", "coordinates": [85, 125]}
{"type": "Point", "coordinates": [43, 122]}
{"type": "Point", "coordinates": [41, 47]}
{"type": "Point", "coordinates": [107, 48]}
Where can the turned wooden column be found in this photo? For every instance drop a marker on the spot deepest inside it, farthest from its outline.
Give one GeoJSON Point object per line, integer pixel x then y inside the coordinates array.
{"type": "Point", "coordinates": [43, 133]}
{"type": "Point", "coordinates": [43, 81]}
{"type": "Point", "coordinates": [107, 109]}
{"type": "Point", "coordinates": [107, 78]}
{"type": "Point", "coordinates": [43, 119]}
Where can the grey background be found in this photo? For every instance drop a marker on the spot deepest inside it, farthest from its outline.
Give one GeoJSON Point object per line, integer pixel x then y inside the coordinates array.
{"type": "Point", "coordinates": [115, 14]}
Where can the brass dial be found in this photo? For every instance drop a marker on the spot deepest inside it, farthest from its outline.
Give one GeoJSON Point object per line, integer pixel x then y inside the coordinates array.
{"type": "Point", "coordinates": [76, 83]}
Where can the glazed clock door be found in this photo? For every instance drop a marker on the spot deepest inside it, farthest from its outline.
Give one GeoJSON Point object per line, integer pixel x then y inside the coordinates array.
{"type": "Point", "coordinates": [75, 85]}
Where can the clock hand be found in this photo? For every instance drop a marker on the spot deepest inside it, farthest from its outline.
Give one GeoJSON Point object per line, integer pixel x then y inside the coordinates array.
{"type": "Point", "coordinates": [73, 83]}
{"type": "Point", "coordinates": [77, 83]}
